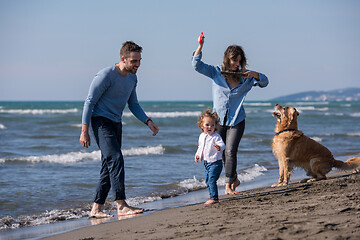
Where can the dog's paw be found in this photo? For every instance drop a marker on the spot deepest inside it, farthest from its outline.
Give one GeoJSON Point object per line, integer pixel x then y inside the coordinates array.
{"type": "Point", "coordinates": [312, 180]}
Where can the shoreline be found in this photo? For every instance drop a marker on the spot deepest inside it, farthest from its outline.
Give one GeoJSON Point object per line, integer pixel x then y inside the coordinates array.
{"type": "Point", "coordinates": [324, 209]}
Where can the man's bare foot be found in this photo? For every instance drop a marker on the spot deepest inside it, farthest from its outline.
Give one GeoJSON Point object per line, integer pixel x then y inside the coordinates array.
{"type": "Point", "coordinates": [229, 190]}
{"type": "Point", "coordinates": [97, 213]}
{"type": "Point", "coordinates": [209, 202]}
{"type": "Point", "coordinates": [124, 209]}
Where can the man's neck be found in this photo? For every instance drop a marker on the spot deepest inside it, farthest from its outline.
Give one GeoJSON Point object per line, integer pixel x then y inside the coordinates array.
{"type": "Point", "coordinates": [121, 68]}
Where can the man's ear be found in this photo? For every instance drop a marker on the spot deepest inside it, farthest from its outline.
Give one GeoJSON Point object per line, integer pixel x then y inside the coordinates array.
{"type": "Point", "coordinates": [122, 59]}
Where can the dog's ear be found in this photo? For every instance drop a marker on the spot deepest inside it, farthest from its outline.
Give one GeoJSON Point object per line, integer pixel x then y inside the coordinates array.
{"type": "Point", "coordinates": [293, 111]}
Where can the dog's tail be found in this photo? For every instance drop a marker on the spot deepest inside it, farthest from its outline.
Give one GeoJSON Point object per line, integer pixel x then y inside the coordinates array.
{"type": "Point", "coordinates": [351, 163]}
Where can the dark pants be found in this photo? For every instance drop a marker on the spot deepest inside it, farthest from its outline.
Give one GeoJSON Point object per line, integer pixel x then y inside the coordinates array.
{"type": "Point", "coordinates": [112, 174]}
{"type": "Point", "coordinates": [231, 137]}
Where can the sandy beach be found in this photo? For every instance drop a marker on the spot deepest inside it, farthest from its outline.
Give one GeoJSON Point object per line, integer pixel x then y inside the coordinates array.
{"type": "Point", "coordinates": [328, 209]}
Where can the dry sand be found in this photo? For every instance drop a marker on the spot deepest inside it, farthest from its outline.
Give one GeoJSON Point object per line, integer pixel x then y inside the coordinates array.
{"type": "Point", "coordinates": [328, 209]}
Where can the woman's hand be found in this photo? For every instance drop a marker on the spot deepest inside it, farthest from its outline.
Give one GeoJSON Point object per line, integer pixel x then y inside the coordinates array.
{"type": "Point", "coordinates": [197, 158]}
{"type": "Point", "coordinates": [201, 39]}
{"type": "Point", "coordinates": [252, 74]}
{"type": "Point", "coordinates": [201, 44]}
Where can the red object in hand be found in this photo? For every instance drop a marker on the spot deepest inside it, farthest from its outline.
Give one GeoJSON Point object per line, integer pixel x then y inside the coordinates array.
{"type": "Point", "coordinates": [201, 36]}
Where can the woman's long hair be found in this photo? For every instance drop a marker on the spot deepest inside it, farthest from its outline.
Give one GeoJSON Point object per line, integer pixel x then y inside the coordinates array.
{"type": "Point", "coordinates": [232, 52]}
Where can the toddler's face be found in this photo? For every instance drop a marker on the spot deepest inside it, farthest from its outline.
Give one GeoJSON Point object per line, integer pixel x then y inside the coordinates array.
{"type": "Point", "coordinates": [208, 125]}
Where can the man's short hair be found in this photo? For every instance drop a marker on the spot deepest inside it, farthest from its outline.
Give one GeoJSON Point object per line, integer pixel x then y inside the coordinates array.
{"type": "Point", "coordinates": [128, 47]}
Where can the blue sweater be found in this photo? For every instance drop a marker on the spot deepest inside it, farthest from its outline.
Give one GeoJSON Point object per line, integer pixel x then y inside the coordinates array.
{"type": "Point", "coordinates": [226, 100]}
{"type": "Point", "coordinates": [108, 94]}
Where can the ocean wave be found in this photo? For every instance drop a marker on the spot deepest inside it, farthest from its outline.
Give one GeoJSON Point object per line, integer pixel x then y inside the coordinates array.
{"type": "Point", "coordinates": [308, 103]}
{"type": "Point", "coordinates": [168, 114]}
{"type": "Point", "coordinates": [354, 134]}
{"type": "Point", "coordinates": [357, 114]}
{"type": "Point", "coordinates": [74, 157]}
{"type": "Point", "coordinates": [334, 114]}
{"type": "Point", "coordinates": [2, 126]}
{"type": "Point", "coordinates": [56, 215]}
{"type": "Point", "coordinates": [260, 104]}
{"type": "Point", "coordinates": [8, 222]}
{"type": "Point", "coordinates": [316, 139]}
{"type": "Point", "coordinates": [311, 108]}
{"type": "Point", "coordinates": [39, 111]}
{"type": "Point", "coordinates": [248, 175]}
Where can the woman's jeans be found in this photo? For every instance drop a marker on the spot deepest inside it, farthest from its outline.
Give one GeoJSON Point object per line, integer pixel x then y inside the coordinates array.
{"type": "Point", "coordinates": [112, 174]}
{"type": "Point", "coordinates": [212, 174]}
{"type": "Point", "coordinates": [231, 137]}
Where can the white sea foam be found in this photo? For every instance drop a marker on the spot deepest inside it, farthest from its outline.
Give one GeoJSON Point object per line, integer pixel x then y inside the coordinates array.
{"type": "Point", "coordinates": [168, 114]}
{"type": "Point", "coordinates": [261, 104]}
{"type": "Point", "coordinates": [308, 108]}
{"type": "Point", "coordinates": [2, 126]}
{"type": "Point", "coordinates": [334, 114]}
{"type": "Point", "coordinates": [346, 105]}
{"type": "Point", "coordinates": [39, 111]}
{"type": "Point", "coordinates": [135, 201]}
{"type": "Point", "coordinates": [251, 173]}
{"type": "Point", "coordinates": [354, 134]}
{"type": "Point", "coordinates": [248, 175]}
{"type": "Point", "coordinates": [192, 183]}
{"type": "Point", "coordinates": [307, 103]}
{"type": "Point", "coordinates": [76, 125]}
{"type": "Point", "coordinates": [357, 114]}
{"type": "Point", "coordinates": [316, 139]}
{"type": "Point", "coordinates": [74, 157]}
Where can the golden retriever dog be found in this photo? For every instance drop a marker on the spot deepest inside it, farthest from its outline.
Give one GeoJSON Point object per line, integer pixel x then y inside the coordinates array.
{"type": "Point", "coordinates": [293, 149]}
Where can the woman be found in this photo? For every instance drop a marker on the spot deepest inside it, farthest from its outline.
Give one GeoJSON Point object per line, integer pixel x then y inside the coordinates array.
{"type": "Point", "coordinates": [231, 82]}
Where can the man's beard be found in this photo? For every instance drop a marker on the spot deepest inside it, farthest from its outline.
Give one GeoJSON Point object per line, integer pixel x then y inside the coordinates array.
{"type": "Point", "coordinates": [131, 70]}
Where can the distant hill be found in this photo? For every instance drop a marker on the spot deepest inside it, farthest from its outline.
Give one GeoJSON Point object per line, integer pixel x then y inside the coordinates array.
{"type": "Point", "coordinates": [347, 94]}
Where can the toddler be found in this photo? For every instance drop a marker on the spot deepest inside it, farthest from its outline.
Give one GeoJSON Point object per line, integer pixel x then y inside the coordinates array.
{"type": "Point", "coordinates": [210, 150]}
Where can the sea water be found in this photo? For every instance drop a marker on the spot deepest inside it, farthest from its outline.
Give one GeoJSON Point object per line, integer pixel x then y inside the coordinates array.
{"type": "Point", "coordinates": [46, 176]}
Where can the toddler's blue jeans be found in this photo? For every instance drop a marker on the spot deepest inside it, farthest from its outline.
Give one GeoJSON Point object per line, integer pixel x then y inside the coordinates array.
{"type": "Point", "coordinates": [212, 174]}
{"type": "Point", "coordinates": [112, 174]}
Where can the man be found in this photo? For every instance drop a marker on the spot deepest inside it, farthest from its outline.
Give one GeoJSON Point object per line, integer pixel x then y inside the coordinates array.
{"type": "Point", "coordinates": [109, 92]}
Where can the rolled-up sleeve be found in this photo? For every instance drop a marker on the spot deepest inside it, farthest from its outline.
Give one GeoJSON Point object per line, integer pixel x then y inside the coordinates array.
{"type": "Point", "coordinates": [263, 82]}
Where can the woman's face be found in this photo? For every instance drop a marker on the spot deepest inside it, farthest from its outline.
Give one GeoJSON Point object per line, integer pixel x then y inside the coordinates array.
{"type": "Point", "coordinates": [235, 63]}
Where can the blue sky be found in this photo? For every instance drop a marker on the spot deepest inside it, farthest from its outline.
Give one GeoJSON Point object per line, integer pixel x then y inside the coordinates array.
{"type": "Point", "coordinates": [50, 50]}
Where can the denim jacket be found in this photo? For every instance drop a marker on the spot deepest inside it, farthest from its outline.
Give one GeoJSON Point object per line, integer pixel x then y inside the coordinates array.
{"type": "Point", "coordinates": [227, 102]}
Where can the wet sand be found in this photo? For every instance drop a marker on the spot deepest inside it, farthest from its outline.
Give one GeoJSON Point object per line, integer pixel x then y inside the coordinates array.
{"type": "Point", "coordinates": [328, 209]}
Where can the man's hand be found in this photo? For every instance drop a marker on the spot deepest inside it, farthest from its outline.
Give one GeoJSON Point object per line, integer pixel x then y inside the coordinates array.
{"type": "Point", "coordinates": [153, 127]}
{"type": "Point", "coordinates": [84, 137]}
